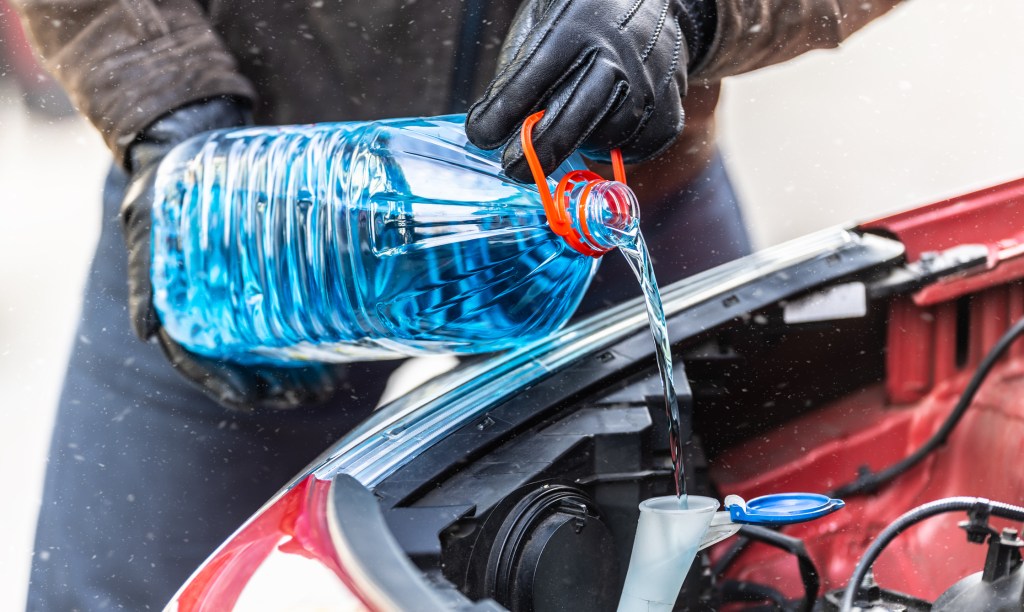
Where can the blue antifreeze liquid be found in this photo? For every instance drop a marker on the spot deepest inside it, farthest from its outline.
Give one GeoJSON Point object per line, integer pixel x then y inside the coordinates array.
{"type": "Point", "coordinates": [353, 241]}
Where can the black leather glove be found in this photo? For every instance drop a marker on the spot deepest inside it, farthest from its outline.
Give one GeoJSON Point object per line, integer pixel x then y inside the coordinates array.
{"type": "Point", "coordinates": [232, 385]}
{"type": "Point", "coordinates": [607, 73]}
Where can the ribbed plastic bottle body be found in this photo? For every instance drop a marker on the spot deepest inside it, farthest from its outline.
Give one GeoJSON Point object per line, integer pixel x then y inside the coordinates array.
{"type": "Point", "coordinates": [353, 241]}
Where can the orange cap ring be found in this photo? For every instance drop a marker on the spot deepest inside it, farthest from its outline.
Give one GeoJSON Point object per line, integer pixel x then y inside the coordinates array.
{"type": "Point", "coordinates": [556, 206]}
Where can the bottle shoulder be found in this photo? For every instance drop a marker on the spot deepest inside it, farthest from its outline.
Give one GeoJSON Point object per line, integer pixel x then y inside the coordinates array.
{"type": "Point", "coordinates": [440, 139]}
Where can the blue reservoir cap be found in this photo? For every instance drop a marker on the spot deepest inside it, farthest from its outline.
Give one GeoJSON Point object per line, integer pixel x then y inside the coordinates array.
{"type": "Point", "coordinates": [781, 508]}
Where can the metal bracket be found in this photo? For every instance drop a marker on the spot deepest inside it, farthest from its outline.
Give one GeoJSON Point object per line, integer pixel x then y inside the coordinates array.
{"type": "Point", "coordinates": [976, 525]}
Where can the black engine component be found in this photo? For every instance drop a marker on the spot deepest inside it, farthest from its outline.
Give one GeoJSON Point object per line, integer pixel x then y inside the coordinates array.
{"type": "Point", "coordinates": [549, 550]}
{"type": "Point", "coordinates": [998, 588]}
{"type": "Point", "coordinates": [554, 511]}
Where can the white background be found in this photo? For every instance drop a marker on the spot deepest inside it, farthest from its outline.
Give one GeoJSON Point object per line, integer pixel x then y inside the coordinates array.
{"type": "Point", "coordinates": [926, 103]}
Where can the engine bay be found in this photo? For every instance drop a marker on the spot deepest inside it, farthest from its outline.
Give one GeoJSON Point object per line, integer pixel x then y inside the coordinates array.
{"type": "Point", "coordinates": [905, 398]}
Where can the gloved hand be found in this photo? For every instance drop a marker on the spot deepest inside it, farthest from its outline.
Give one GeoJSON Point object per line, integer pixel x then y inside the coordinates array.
{"type": "Point", "coordinates": [607, 73]}
{"type": "Point", "coordinates": [232, 385]}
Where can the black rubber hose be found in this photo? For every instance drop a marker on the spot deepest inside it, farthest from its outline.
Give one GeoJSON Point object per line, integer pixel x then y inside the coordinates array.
{"type": "Point", "coordinates": [794, 546]}
{"type": "Point", "coordinates": [871, 481]}
{"type": "Point", "coordinates": [729, 556]}
{"type": "Point", "coordinates": [941, 506]}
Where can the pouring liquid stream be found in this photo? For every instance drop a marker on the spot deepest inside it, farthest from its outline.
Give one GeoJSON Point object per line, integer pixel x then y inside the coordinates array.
{"type": "Point", "coordinates": [631, 242]}
{"type": "Point", "coordinates": [639, 260]}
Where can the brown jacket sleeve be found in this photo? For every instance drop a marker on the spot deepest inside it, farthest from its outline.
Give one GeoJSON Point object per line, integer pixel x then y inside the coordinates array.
{"type": "Point", "coordinates": [127, 62]}
{"type": "Point", "coordinates": [752, 34]}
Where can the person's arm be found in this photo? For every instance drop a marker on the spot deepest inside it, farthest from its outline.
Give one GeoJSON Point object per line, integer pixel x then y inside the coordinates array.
{"type": "Point", "coordinates": [752, 34]}
{"type": "Point", "coordinates": [127, 63]}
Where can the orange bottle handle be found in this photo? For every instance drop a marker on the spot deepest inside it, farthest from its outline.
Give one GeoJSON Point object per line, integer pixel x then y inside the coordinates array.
{"type": "Point", "coordinates": [556, 205]}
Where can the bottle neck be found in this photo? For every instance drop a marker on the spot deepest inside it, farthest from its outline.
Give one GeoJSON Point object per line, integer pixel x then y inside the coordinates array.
{"type": "Point", "coordinates": [605, 214]}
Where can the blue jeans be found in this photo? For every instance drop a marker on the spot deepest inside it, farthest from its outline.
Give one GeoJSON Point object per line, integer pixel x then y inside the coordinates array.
{"type": "Point", "coordinates": [146, 475]}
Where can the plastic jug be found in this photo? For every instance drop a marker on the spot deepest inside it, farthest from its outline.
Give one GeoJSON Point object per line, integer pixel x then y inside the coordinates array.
{"type": "Point", "coordinates": [354, 241]}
